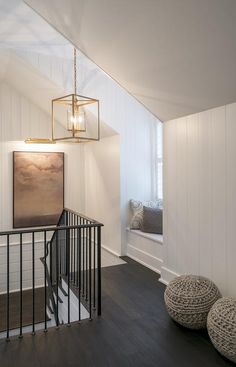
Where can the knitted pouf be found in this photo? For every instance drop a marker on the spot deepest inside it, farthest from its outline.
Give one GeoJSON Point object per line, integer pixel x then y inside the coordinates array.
{"type": "Point", "coordinates": [189, 298]}
{"type": "Point", "coordinates": [221, 326]}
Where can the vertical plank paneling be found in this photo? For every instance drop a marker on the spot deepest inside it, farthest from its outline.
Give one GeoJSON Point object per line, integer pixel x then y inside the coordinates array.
{"type": "Point", "coordinates": [204, 182]}
{"type": "Point", "coordinates": [192, 223]}
{"type": "Point", "coordinates": [166, 197]}
{"type": "Point", "coordinates": [20, 118]}
{"type": "Point", "coordinates": [205, 199]}
{"type": "Point", "coordinates": [4, 162]}
{"type": "Point", "coordinates": [231, 200]}
{"type": "Point", "coordinates": [170, 205]}
{"type": "Point", "coordinates": [218, 197]}
{"type": "Point", "coordinates": [180, 183]}
{"type": "Point", "coordinates": [25, 118]}
{"type": "Point", "coordinates": [1, 152]}
{"type": "Point", "coordinates": [119, 110]}
{"type": "Point", "coordinates": [15, 127]}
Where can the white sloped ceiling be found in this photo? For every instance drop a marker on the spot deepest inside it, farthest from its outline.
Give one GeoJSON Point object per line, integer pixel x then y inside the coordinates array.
{"type": "Point", "coordinates": [175, 56]}
{"type": "Point", "coordinates": [35, 59]}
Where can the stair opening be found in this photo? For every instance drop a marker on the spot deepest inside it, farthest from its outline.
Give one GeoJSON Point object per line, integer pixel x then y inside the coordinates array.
{"type": "Point", "coordinates": [52, 275]}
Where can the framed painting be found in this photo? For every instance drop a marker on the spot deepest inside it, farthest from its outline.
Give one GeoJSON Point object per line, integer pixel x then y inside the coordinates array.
{"type": "Point", "coordinates": [38, 188]}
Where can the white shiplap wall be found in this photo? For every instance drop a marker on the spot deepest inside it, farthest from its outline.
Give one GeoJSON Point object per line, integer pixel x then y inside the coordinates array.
{"type": "Point", "coordinates": [119, 110]}
{"type": "Point", "coordinates": [14, 266]}
{"type": "Point", "coordinates": [200, 197]}
{"type": "Point", "coordinates": [102, 188]}
{"type": "Point", "coordinates": [20, 118]}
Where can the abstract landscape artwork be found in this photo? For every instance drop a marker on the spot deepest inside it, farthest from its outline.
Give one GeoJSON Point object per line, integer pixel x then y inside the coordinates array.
{"type": "Point", "coordinates": [38, 188]}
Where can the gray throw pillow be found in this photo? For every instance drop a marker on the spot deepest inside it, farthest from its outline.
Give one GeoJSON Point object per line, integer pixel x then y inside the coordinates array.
{"type": "Point", "coordinates": [152, 220]}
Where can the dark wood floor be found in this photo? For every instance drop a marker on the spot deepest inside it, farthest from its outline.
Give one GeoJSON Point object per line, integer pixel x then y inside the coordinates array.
{"type": "Point", "coordinates": [27, 307]}
{"type": "Point", "coordinates": [134, 330]}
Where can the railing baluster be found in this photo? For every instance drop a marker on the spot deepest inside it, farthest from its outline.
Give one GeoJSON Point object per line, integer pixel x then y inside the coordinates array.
{"type": "Point", "coordinates": [79, 268]}
{"type": "Point", "coordinates": [63, 241]}
{"type": "Point", "coordinates": [74, 255]}
{"type": "Point", "coordinates": [90, 275]}
{"type": "Point", "coordinates": [60, 267]}
{"type": "Point", "coordinates": [83, 263]}
{"type": "Point", "coordinates": [45, 282]}
{"type": "Point", "coordinates": [50, 261]}
{"type": "Point", "coordinates": [86, 263]}
{"type": "Point", "coordinates": [68, 269]}
{"type": "Point", "coordinates": [67, 244]}
{"type": "Point", "coordinates": [33, 283]}
{"type": "Point", "coordinates": [57, 280]}
{"type": "Point", "coordinates": [80, 273]}
{"type": "Point", "coordinates": [21, 303]}
{"type": "Point", "coordinates": [99, 270]}
{"type": "Point", "coordinates": [77, 253]}
{"type": "Point", "coordinates": [94, 268]}
{"type": "Point", "coordinates": [65, 252]}
{"type": "Point", "coordinates": [8, 287]}
{"type": "Point", "coordinates": [71, 248]}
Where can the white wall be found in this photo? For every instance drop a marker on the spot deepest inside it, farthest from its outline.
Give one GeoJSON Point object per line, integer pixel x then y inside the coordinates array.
{"type": "Point", "coordinates": [119, 110]}
{"type": "Point", "coordinates": [102, 188]}
{"type": "Point", "coordinates": [200, 197]}
{"type": "Point", "coordinates": [136, 128]}
{"type": "Point", "coordinates": [14, 265]}
{"type": "Point", "coordinates": [20, 118]}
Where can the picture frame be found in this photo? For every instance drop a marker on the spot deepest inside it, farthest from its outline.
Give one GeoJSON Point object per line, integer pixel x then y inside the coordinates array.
{"type": "Point", "coordinates": [38, 188]}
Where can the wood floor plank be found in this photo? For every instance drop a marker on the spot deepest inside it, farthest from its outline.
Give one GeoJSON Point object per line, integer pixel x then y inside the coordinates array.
{"type": "Point", "coordinates": [27, 306]}
{"type": "Point", "coordinates": [133, 331]}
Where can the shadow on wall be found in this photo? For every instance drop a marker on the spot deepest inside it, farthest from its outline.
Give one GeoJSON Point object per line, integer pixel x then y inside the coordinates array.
{"type": "Point", "coordinates": [106, 131]}
{"type": "Point", "coordinates": [102, 186]}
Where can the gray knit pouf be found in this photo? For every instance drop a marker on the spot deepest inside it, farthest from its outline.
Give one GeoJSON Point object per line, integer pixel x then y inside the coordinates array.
{"type": "Point", "coordinates": [221, 326]}
{"type": "Point", "coordinates": [189, 298]}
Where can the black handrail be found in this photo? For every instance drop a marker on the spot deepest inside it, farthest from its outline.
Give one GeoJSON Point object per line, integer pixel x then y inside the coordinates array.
{"type": "Point", "coordinates": [49, 229]}
{"type": "Point", "coordinates": [93, 221]}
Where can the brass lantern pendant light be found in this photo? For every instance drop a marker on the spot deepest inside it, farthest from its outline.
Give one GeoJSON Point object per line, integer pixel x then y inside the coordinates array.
{"type": "Point", "coordinates": [75, 118]}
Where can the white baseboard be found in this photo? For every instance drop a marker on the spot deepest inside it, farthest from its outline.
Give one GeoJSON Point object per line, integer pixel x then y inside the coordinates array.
{"type": "Point", "coordinates": [23, 289]}
{"type": "Point", "coordinates": [25, 243]}
{"type": "Point", "coordinates": [144, 258]}
{"type": "Point", "coordinates": [167, 275]}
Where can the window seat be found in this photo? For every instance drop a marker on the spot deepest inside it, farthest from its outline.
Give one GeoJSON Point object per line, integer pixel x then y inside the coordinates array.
{"type": "Point", "coordinates": [146, 248]}
{"type": "Point", "coordinates": [151, 236]}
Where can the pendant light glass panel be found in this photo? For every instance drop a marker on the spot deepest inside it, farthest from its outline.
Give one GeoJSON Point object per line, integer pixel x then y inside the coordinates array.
{"type": "Point", "coordinates": [76, 120]}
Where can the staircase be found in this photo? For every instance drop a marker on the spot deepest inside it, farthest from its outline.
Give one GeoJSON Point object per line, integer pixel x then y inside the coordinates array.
{"type": "Point", "coordinates": [69, 276]}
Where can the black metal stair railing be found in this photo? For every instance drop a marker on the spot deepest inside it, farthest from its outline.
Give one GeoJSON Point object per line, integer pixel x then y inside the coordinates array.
{"type": "Point", "coordinates": [71, 256]}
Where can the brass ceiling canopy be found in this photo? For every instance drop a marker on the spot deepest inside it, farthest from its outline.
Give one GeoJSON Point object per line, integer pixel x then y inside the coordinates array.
{"type": "Point", "coordinates": [75, 118]}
